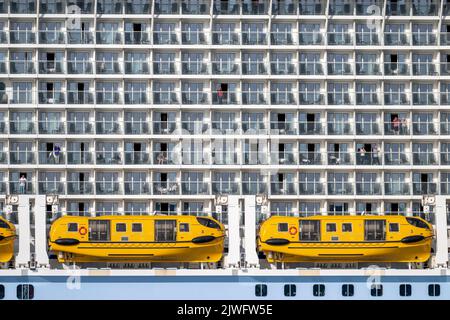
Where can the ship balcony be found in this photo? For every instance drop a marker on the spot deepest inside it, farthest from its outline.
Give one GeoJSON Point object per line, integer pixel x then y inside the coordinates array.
{"type": "Point", "coordinates": [254, 127]}
{"type": "Point", "coordinates": [256, 97]}
{"type": "Point", "coordinates": [108, 67]}
{"type": "Point", "coordinates": [225, 187]}
{"type": "Point", "coordinates": [136, 127]}
{"type": "Point", "coordinates": [254, 68]}
{"type": "Point", "coordinates": [396, 39]}
{"type": "Point", "coordinates": [137, 157]}
{"type": "Point", "coordinates": [425, 158]}
{"type": "Point", "coordinates": [282, 68]}
{"type": "Point", "coordinates": [194, 158]}
{"type": "Point", "coordinates": [164, 127]}
{"type": "Point", "coordinates": [79, 127]}
{"type": "Point", "coordinates": [424, 98]}
{"type": "Point", "coordinates": [339, 98]}
{"type": "Point", "coordinates": [79, 157]}
{"type": "Point", "coordinates": [51, 67]}
{"type": "Point", "coordinates": [281, 38]}
{"type": "Point", "coordinates": [310, 158]}
{"type": "Point", "coordinates": [108, 97]}
{"type": "Point", "coordinates": [80, 37]}
{"type": "Point", "coordinates": [339, 38]}
{"type": "Point", "coordinates": [367, 98]}
{"type": "Point", "coordinates": [167, 157]}
{"type": "Point", "coordinates": [225, 7]}
{"type": "Point", "coordinates": [367, 128]}
{"type": "Point", "coordinates": [194, 67]}
{"type": "Point", "coordinates": [283, 188]}
{"type": "Point", "coordinates": [421, 188]}
{"type": "Point", "coordinates": [339, 158]}
{"type": "Point", "coordinates": [136, 187]}
{"type": "Point", "coordinates": [339, 68]}
{"type": "Point", "coordinates": [109, 7]}
{"type": "Point", "coordinates": [193, 187]}
{"type": "Point", "coordinates": [21, 127]}
{"type": "Point", "coordinates": [311, 97]}
{"type": "Point", "coordinates": [253, 187]}
{"type": "Point", "coordinates": [396, 128]}
{"type": "Point", "coordinates": [22, 7]}
{"type": "Point", "coordinates": [80, 97]}
{"type": "Point", "coordinates": [107, 188]}
{"type": "Point", "coordinates": [22, 37]}
{"type": "Point", "coordinates": [396, 69]}
{"type": "Point", "coordinates": [311, 188]}
{"type": "Point", "coordinates": [51, 97]}
{"type": "Point", "coordinates": [397, 98]}
{"type": "Point", "coordinates": [396, 158]}
{"type": "Point", "coordinates": [310, 38]}
{"type": "Point", "coordinates": [165, 97]}
{"type": "Point", "coordinates": [310, 128]}
{"type": "Point", "coordinates": [225, 97]}
{"type": "Point", "coordinates": [282, 97]}
{"type": "Point", "coordinates": [109, 37]}
{"type": "Point", "coordinates": [368, 68]}
{"type": "Point", "coordinates": [136, 7]}
{"type": "Point", "coordinates": [194, 97]}
{"type": "Point", "coordinates": [108, 157]}
{"type": "Point", "coordinates": [165, 37]}
{"type": "Point", "coordinates": [424, 128]}
{"type": "Point", "coordinates": [370, 188]}
{"type": "Point", "coordinates": [283, 128]}
{"type": "Point", "coordinates": [166, 188]}
{"type": "Point", "coordinates": [21, 67]}
{"type": "Point", "coordinates": [51, 127]}
{"type": "Point", "coordinates": [136, 97]}
{"type": "Point", "coordinates": [51, 37]}
{"type": "Point", "coordinates": [56, 7]}
{"type": "Point", "coordinates": [254, 38]}
{"type": "Point", "coordinates": [396, 189]}
{"type": "Point", "coordinates": [137, 37]}
{"type": "Point", "coordinates": [340, 188]}
{"type": "Point", "coordinates": [225, 67]}
{"type": "Point", "coordinates": [51, 187]}
{"type": "Point", "coordinates": [21, 157]}
{"type": "Point", "coordinates": [282, 158]}
{"type": "Point", "coordinates": [368, 158]}
{"type": "Point", "coordinates": [311, 8]}
{"type": "Point", "coordinates": [79, 187]}
{"type": "Point", "coordinates": [193, 37]}
{"type": "Point", "coordinates": [224, 127]}
{"type": "Point", "coordinates": [107, 127]}
{"type": "Point", "coordinates": [424, 69]}
{"type": "Point", "coordinates": [367, 38]}
{"type": "Point", "coordinates": [79, 67]}
{"type": "Point", "coordinates": [159, 67]}
{"type": "Point", "coordinates": [15, 187]}
{"type": "Point", "coordinates": [225, 38]}
{"type": "Point", "coordinates": [339, 128]}
{"type": "Point", "coordinates": [424, 39]}
{"type": "Point", "coordinates": [194, 126]}
{"type": "Point", "coordinates": [255, 158]}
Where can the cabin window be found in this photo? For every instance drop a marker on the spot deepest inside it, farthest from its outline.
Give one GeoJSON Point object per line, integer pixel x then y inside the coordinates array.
{"type": "Point", "coordinates": [319, 290]}
{"type": "Point", "coordinates": [165, 230]}
{"type": "Point", "coordinates": [25, 292]}
{"type": "Point", "coordinates": [376, 290]}
{"type": "Point", "coordinates": [348, 290]}
{"type": "Point", "coordinates": [4, 225]}
{"type": "Point", "coordinates": [309, 230]}
{"type": "Point", "coordinates": [2, 291]}
{"type": "Point", "coordinates": [121, 227]}
{"type": "Point", "coordinates": [417, 223]}
{"type": "Point", "coordinates": [346, 227]}
{"type": "Point", "coordinates": [72, 227]}
{"type": "Point", "coordinates": [290, 290]}
{"type": "Point", "coordinates": [282, 227]}
{"type": "Point", "coordinates": [394, 227]}
{"type": "Point", "coordinates": [375, 230]}
{"type": "Point", "coordinates": [434, 290]}
{"type": "Point", "coordinates": [331, 227]}
{"type": "Point", "coordinates": [99, 230]}
{"type": "Point", "coordinates": [184, 227]}
{"type": "Point", "coordinates": [405, 290]}
{"type": "Point", "coordinates": [261, 290]}
{"type": "Point", "coordinates": [136, 227]}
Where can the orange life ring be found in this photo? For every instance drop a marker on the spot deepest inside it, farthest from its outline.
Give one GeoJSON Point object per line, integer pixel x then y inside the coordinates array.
{"type": "Point", "coordinates": [82, 231]}
{"type": "Point", "coordinates": [293, 231]}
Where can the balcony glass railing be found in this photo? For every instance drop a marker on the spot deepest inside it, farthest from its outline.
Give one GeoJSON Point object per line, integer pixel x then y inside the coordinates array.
{"type": "Point", "coordinates": [109, 37]}
{"type": "Point", "coordinates": [225, 38]}
{"type": "Point", "coordinates": [311, 37]}
{"type": "Point", "coordinates": [396, 188]}
{"type": "Point", "coordinates": [255, 158]}
{"type": "Point", "coordinates": [137, 157]}
{"type": "Point", "coordinates": [166, 187]}
{"type": "Point", "coordinates": [107, 127]}
{"type": "Point", "coordinates": [367, 128]}
{"type": "Point", "coordinates": [108, 157]}
{"type": "Point", "coordinates": [51, 127]}
{"type": "Point", "coordinates": [311, 158]}
{"type": "Point", "coordinates": [79, 127]}
{"type": "Point", "coordinates": [51, 67]}
{"type": "Point", "coordinates": [424, 188]}
{"type": "Point", "coordinates": [340, 188]}
{"type": "Point", "coordinates": [225, 187]}
{"type": "Point", "coordinates": [51, 97]}
{"type": "Point", "coordinates": [49, 157]}
{"type": "Point", "coordinates": [339, 158]}
{"type": "Point", "coordinates": [166, 157]}
{"type": "Point", "coordinates": [18, 187]}
{"type": "Point", "coordinates": [310, 127]}
{"type": "Point", "coordinates": [21, 157]}
{"type": "Point", "coordinates": [79, 187]}
{"type": "Point", "coordinates": [396, 158]}
{"type": "Point", "coordinates": [136, 187]}
{"type": "Point", "coordinates": [21, 67]}
{"type": "Point", "coordinates": [364, 188]}
{"type": "Point", "coordinates": [254, 38]}
{"type": "Point", "coordinates": [108, 187]}
{"type": "Point", "coordinates": [164, 127]}
{"type": "Point", "coordinates": [79, 157]}
{"type": "Point", "coordinates": [136, 127]}
{"type": "Point", "coordinates": [51, 37]}
{"type": "Point", "coordinates": [194, 187]}
{"type": "Point", "coordinates": [367, 38]}
{"type": "Point", "coordinates": [80, 97]}
{"type": "Point", "coordinates": [339, 38]}
{"type": "Point", "coordinates": [283, 188]}
{"type": "Point", "coordinates": [311, 188]}
{"type": "Point", "coordinates": [396, 39]}
{"type": "Point", "coordinates": [283, 127]}
{"type": "Point", "coordinates": [80, 37]}
{"type": "Point", "coordinates": [193, 37]}
{"type": "Point", "coordinates": [79, 66]}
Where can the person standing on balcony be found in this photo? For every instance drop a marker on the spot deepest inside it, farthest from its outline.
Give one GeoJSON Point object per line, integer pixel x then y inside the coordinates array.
{"type": "Point", "coordinates": [56, 153]}
{"type": "Point", "coordinates": [22, 184]}
{"type": "Point", "coordinates": [396, 125]}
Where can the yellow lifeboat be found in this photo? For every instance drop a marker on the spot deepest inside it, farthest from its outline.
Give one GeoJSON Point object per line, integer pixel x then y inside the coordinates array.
{"type": "Point", "coordinates": [7, 237]}
{"type": "Point", "coordinates": [137, 239]}
{"type": "Point", "coordinates": [339, 239]}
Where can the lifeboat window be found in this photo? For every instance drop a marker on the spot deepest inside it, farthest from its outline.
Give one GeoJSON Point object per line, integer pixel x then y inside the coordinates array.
{"type": "Point", "coordinates": [282, 227]}
{"type": "Point", "coordinates": [348, 290]}
{"type": "Point", "coordinates": [261, 290]}
{"type": "Point", "coordinates": [2, 291]}
{"type": "Point", "coordinates": [136, 227]}
{"type": "Point", "coordinates": [290, 290]}
{"type": "Point", "coordinates": [121, 227]}
{"type": "Point", "coordinates": [375, 230]}
{"type": "Point", "coordinates": [25, 291]}
{"type": "Point", "coordinates": [72, 227]}
{"type": "Point", "coordinates": [165, 230]}
{"type": "Point", "coordinates": [184, 227]}
{"type": "Point", "coordinates": [346, 227]}
{"type": "Point", "coordinates": [319, 290]}
{"type": "Point", "coordinates": [394, 227]}
{"type": "Point", "coordinates": [434, 290]}
{"type": "Point", "coordinates": [310, 230]}
{"type": "Point", "coordinates": [405, 290]}
{"type": "Point", "coordinates": [376, 290]}
{"type": "Point", "coordinates": [99, 230]}
{"type": "Point", "coordinates": [331, 227]}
